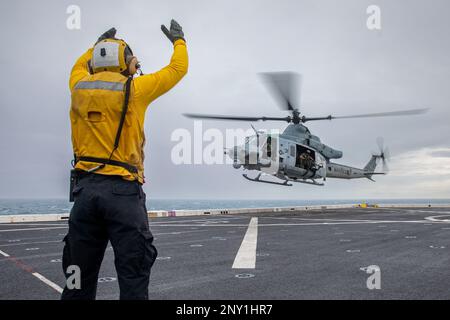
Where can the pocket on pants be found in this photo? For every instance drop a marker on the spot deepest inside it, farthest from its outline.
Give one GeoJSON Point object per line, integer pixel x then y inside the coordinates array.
{"type": "Point", "coordinates": [76, 191]}
{"type": "Point", "coordinates": [150, 252]}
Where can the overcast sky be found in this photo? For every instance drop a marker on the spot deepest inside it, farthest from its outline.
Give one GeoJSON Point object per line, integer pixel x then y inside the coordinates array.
{"type": "Point", "coordinates": [346, 69]}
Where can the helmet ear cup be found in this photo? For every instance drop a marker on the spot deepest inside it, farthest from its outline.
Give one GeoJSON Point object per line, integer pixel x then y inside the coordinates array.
{"type": "Point", "coordinates": [132, 65]}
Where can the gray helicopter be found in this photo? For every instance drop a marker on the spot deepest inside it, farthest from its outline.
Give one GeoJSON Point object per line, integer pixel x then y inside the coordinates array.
{"type": "Point", "coordinates": [296, 155]}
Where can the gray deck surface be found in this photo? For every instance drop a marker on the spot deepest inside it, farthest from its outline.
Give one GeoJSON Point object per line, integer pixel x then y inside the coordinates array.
{"type": "Point", "coordinates": [299, 256]}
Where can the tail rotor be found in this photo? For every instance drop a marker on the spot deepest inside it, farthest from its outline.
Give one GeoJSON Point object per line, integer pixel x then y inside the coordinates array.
{"type": "Point", "coordinates": [384, 154]}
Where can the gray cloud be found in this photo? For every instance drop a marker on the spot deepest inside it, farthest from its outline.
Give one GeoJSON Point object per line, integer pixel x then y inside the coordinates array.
{"type": "Point", "coordinates": [441, 154]}
{"type": "Point", "coordinates": [346, 68]}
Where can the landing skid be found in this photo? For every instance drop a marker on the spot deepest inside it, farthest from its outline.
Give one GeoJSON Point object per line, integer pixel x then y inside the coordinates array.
{"type": "Point", "coordinates": [284, 183]}
{"type": "Point", "coordinates": [313, 182]}
{"type": "Point", "coordinates": [257, 179]}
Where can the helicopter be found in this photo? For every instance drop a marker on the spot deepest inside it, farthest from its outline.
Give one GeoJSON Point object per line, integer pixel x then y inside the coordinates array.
{"type": "Point", "coordinates": [296, 155]}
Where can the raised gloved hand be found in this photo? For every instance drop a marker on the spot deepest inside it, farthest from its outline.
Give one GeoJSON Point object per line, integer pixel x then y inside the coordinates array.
{"type": "Point", "coordinates": [110, 34]}
{"type": "Point", "coordinates": [175, 33]}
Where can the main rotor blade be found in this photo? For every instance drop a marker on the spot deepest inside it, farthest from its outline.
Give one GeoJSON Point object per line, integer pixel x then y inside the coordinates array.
{"type": "Point", "coordinates": [306, 119]}
{"type": "Point", "coordinates": [371, 115]}
{"type": "Point", "coordinates": [284, 87]}
{"type": "Point", "coordinates": [220, 117]}
{"type": "Point", "coordinates": [385, 114]}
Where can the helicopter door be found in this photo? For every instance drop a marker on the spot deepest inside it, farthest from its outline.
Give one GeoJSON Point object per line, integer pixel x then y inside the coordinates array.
{"type": "Point", "coordinates": [289, 160]}
{"type": "Point", "coordinates": [269, 153]}
{"type": "Point", "coordinates": [305, 157]}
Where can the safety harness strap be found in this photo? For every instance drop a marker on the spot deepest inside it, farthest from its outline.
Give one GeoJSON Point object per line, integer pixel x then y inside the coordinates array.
{"type": "Point", "coordinates": [104, 161]}
{"type": "Point", "coordinates": [124, 112]}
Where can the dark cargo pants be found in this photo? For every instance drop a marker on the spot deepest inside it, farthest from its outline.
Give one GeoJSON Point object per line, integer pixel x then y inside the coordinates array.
{"type": "Point", "coordinates": [109, 208]}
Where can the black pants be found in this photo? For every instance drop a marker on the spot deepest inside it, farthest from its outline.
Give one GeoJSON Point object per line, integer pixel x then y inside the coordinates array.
{"type": "Point", "coordinates": [109, 208]}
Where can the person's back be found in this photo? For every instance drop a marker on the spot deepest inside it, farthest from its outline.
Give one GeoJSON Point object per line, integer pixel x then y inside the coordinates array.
{"type": "Point", "coordinates": [97, 101]}
{"type": "Point", "coordinates": [107, 119]}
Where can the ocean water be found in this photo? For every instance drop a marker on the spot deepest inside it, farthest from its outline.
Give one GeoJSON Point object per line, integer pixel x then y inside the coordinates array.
{"type": "Point", "coordinates": [44, 206]}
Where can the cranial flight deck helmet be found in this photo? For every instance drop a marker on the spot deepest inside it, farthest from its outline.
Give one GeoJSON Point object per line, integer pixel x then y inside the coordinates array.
{"type": "Point", "coordinates": [111, 55]}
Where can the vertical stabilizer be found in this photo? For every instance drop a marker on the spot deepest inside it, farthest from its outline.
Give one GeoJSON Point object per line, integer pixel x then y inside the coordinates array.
{"type": "Point", "coordinates": [371, 166]}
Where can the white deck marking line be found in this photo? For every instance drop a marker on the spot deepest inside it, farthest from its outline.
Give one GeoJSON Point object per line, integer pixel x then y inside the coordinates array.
{"type": "Point", "coordinates": [4, 254]}
{"type": "Point", "coordinates": [320, 219]}
{"type": "Point", "coordinates": [435, 218]}
{"type": "Point", "coordinates": [246, 256]}
{"type": "Point", "coordinates": [28, 243]}
{"type": "Point", "coordinates": [29, 229]}
{"type": "Point", "coordinates": [302, 224]}
{"type": "Point", "coordinates": [27, 268]}
{"type": "Point", "coordinates": [179, 232]}
{"type": "Point", "coordinates": [30, 224]}
{"type": "Point", "coordinates": [48, 282]}
{"type": "Point", "coordinates": [196, 220]}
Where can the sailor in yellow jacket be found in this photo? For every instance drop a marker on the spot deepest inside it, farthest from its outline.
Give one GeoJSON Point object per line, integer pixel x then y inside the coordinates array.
{"type": "Point", "coordinates": [107, 119]}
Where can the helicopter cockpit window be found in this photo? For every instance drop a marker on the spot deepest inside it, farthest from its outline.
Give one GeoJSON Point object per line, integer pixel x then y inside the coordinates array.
{"type": "Point", "coordinates": [292, 151]}
{"type": "Point", "coordinates": [267, 148]}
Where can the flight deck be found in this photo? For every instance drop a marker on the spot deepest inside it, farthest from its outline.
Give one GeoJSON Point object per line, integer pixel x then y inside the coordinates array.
{"type": "Point", "coordinates": [285, 255]}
